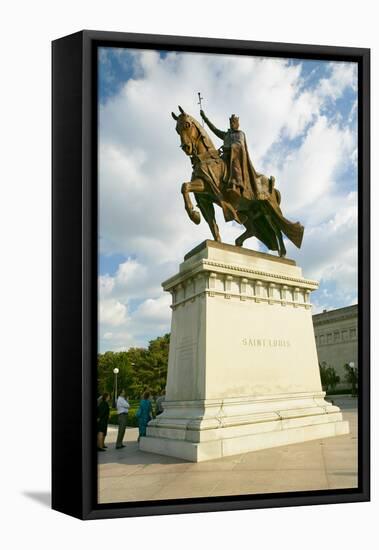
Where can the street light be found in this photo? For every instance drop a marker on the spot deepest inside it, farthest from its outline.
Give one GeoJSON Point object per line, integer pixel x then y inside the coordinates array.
{"type": "Point", "coordinates": [115, 372]}
{"type": "Point", "coordinates": [351, 364]}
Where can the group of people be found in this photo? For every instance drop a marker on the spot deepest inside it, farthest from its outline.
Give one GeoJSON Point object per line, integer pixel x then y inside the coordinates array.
{"type": "Point", "coordinates": [144, 415]}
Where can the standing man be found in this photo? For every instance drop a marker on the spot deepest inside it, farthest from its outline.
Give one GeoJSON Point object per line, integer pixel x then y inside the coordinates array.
{"type": "Point", "coordinates": [122, 409]}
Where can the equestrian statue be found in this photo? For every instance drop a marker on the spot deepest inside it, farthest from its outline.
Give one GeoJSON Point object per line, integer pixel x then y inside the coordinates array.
{"type": "Point", "coordinates": [226, 177]}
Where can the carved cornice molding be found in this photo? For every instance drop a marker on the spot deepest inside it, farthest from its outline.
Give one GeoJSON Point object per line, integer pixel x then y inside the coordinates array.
{"type": "Point", "coordinates": [242, 271]}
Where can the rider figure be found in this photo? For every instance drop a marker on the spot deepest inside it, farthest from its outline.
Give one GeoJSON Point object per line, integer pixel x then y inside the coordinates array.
{"type": "Point", "coordinates": [238, 180]}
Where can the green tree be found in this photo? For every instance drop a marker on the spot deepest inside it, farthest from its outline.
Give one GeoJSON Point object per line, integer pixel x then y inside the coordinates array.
{"type": "Point", "coordinates": [334, 379]}
{"type": "Point", "coordinates": [106, 362]}
{"type": "Point", "coordinates": [329, 377]}
{"type": "Point", "coordinates": [158, 362]}
{"type": "Point", "coordinates": [139, 368]}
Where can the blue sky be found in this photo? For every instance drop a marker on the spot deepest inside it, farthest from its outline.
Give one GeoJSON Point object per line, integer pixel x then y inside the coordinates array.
{"type": "Point", "coordinates": [300, 121]}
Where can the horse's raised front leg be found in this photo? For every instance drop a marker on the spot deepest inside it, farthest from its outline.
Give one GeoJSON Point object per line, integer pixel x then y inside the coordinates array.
{"type": "Point", "coordinates": [196, 186]}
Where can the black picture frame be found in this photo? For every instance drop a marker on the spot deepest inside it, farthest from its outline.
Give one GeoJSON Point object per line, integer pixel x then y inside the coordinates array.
{"type": "Point", "coordinates": [74, 272]}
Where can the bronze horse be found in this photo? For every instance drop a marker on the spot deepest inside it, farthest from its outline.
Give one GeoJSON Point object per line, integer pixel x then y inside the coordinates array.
{"type": "Point", "coordinates": [260, 213]}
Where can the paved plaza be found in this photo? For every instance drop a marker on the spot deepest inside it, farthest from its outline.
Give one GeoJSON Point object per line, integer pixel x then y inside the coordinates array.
{"type": "Point", "coordinates": [131, 475]}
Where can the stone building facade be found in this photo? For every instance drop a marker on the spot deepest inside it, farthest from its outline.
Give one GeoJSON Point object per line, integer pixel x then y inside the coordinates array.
{"type": "Point", "coordinates": [336, 334]}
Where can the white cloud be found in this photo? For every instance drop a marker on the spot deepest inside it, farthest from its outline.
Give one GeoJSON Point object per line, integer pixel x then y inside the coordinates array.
{"type": "Point", "coordinates": [342, 76]}
{"type": "Point", "coordinates": [330, 254]}
{"type": "Point", "coordinates": [141, 169]}
{"type": "Point", "coordinates": [310, 172]}
{"type": "Point", "coordinates": [156, 310]}
{"type": "Point", "coordinates": [111, 312]}
{"type": "Point", "coordinates": [152, 318]}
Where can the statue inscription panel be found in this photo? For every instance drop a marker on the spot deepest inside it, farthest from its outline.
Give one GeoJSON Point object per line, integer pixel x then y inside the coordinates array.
{"type": "Point", "coordinates": [266, 342]}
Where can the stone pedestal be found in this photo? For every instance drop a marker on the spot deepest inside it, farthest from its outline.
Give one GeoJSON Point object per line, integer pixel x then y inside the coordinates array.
{"type": "Point", "coordinates": [243, 372]}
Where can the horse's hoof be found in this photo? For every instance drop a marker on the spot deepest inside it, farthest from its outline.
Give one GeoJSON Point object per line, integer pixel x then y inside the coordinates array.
{"type": "Point", "coordinates": [195, 217]}
{"type": "Point", "coordinates": [237, 242]}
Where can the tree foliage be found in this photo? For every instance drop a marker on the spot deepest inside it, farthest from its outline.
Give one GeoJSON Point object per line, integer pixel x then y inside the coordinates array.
{"type": "Point", "coordinates": [329, 377]}
{"type": "Point", "coordinates": [139, 368]}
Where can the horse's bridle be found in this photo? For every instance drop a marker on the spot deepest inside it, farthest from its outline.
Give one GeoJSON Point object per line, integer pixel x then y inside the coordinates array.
{"type": "Point", "coordinates": [195, 141]}
{"type": "Point", "coordinates": [199, 137]}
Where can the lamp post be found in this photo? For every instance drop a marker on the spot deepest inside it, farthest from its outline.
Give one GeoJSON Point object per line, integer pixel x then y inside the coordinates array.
{"type": "Point", "coordinates": [115, 372]}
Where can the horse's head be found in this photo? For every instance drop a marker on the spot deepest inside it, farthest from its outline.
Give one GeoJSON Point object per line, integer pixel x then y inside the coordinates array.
{"type": "Point", "coordinates": [188, 131]}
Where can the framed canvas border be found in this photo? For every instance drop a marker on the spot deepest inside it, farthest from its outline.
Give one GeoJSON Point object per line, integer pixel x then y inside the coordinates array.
{"type": "Point", "coordinates": [74, 273]}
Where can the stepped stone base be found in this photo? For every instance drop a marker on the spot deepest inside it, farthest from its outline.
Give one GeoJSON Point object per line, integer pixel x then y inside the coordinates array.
{"type": "Point", "coordinates": [243, 371]}
{"type": "Point", "coordinates": [279, 422]}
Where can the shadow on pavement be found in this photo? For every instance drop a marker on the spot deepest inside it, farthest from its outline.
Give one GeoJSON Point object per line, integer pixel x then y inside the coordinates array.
{"type": "Point", "coordinates": [131, 455]}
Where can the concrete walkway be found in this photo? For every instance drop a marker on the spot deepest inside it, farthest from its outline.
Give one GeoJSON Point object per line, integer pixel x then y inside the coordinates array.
{"type": "Point", "coordinates": [131, 475]}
